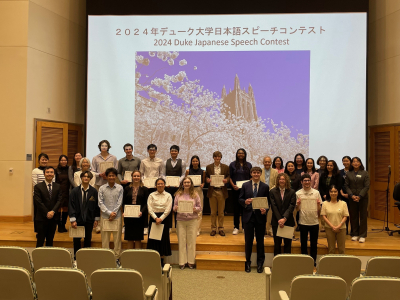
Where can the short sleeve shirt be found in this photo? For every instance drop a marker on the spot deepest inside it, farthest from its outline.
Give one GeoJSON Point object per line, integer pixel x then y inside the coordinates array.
{"type": "Point", "coordinates": [335, 212]}
{"type": "Point", "coordinates": [308, 211]}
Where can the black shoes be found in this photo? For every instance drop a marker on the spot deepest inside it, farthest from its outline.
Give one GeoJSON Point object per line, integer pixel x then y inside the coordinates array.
{"type": "Point", "coordinates": [259, 268]}
{"type": "Point", "coordinates": [247, 267]}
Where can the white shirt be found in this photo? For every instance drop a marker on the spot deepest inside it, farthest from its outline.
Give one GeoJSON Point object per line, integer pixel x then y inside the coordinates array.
{"type": "Point", "coordinates": [151, 167]}
{"type": "Point", "coordinates": [308, 217]}
{"type": "Point", "coordinates": [159, 202]}
{"type": "Point", "coordinates": [217, 169]}
{"type": "Point", "coordinates": [47, 185]}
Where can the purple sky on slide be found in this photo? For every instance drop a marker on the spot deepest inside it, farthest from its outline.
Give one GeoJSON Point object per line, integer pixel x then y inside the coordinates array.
{"type": "Point", "coordinates": [280, 79]}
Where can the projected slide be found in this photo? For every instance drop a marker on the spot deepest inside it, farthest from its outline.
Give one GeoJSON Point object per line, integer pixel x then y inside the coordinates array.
{"type": "Point", "coordinates": [273, 84]}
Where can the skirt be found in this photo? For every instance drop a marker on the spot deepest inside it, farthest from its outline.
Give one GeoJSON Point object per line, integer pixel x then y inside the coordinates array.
{"type": "Point", "coordinates": [164, 246]}
{"type": "Point", "coordinates": [134, 228]}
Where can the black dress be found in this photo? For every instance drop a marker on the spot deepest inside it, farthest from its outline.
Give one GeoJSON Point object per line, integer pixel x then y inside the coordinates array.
{"type": "Point", "coordinates": [63, 180]}
{"type": "Point", "coordinates": [134, 226]}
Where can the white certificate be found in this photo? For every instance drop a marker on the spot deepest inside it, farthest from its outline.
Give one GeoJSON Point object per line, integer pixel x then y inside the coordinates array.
{"type": "Point", "coordinates": [217, 180]}
{"type": "Point", "coordinates": [110, 225]}
{"type": "Point", "coordinates": [172, 181]}
{"type": "Point", "coordinates": [131, 211]}
{"type": "Point", "coordinates": [285, 232]}
{"type": "Point", "coordinates": [78, 232]}
{"type": "Point", "coordinates": [128, 176]}
{"type": "Point", "coordinates": [309, 205]}
{"type": "Point", "coordinates": [156, 231]}
{"type": "Point", "coordinates": [196, 179]}
{"type": "Point", "coordinates": [240, 183]}
{"type": "Point", "coordinates": [150, 182]}
{"type": "Point", "coordinates": [185, 207]}
{"type": "Point", "coordinates": [105, 165]}
{"type": "Point", "coordinates": [260, 202]}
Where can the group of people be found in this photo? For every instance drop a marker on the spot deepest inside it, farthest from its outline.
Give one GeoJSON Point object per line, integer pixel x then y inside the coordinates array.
{"type": "Point", "coordinates": [299, 196]}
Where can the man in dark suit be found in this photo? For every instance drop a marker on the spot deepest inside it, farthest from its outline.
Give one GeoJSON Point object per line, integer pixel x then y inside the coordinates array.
{"type": "Point", "coordinates": [84, 210]}
{"type": "Point", "coordinates": [254, 220]}
{"type": "Point", "coordinates": [217, 195]}
{"type": "Point", "coordinates": [47, 196]}
{"type": "Point", "coordinates": [283, 203]}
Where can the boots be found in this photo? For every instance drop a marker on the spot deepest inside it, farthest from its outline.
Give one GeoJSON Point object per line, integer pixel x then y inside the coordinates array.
{"type": "Point", "coordinates": [63, 221]}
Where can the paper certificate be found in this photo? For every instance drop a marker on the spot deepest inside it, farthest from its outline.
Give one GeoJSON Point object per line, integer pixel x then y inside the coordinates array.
{"type": "Point", "coordinates": [309, 205]}
{"type": "Point", "coordinates": [105, 165]}
{"type": "Point", "coordinates": [78, 232]}
{"type": "Point", "coordinates": [156, 231]}
{"type": "Point", "coordinates": [128, 176]}
{"type": "Point", "coordinates": [285, 232]}
{"type": "Point", "coordinates": [131, 211]}
{"type": "Point", "coordinates": [185, 207]}
{"type": "Point", "coordinates": [196, 179]}
{"type": "Point", "coordinates": [217, 180]}
{"type": "Point", "coordinates": [150, 182]}
{"type": "Point", "coordinates": [172, 181]}
{"type": "Point", "coordinates": [110, 225]}
{"type": "Point", "coordinates": [240, 183]}
{"type": "Point", "coordinates": [260, 202]}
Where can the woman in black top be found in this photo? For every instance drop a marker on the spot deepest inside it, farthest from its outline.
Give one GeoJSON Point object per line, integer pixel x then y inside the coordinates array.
{"type": "Point", "coordinates": [331, 176]}
{"type": "Point", "coordinates": [321, 162]}
{"type": "Point", "coordinates": [63, 180]}
{"type": "Point", "coordinates": [195, 169]}
{"type": "Point", "coordinates": [295, 179]}
{"type": "Point", "coordinates": [135, 194]}
{"type": "Point", "coordinates": [300, 163]}
{"type": "Point", "coordinates": [346, 161]}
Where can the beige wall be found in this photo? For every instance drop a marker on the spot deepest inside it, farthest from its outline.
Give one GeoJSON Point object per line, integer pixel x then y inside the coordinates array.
{"type": "Point", "coordinates": [384, 62]}
{"type": "Point", "coordinates": [43, 63]}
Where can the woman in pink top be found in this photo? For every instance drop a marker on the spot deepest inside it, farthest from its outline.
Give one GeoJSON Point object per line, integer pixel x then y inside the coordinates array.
{"type": "Point", "coordinates": [187, 223]}
{"type": "Point", "coordinates": [277, 164]}
{"type": "Point", "coordinates": [310, 169]}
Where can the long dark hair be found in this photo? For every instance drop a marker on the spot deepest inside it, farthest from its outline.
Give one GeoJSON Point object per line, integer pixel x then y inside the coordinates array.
{"type": "Point", "coordinates": [191, 165]}
{"type": "Point", "coordinates": [335, 170]}
{"type": "Point", "coordinates": [237, 162]}
{"type": "Point", "coordinates": [291, 176]}
{"type": "Point", "coordinates": [351, 165]}
{"type": "Point", "coordinates": [273, 163]}
{"type": "Point", "coordinates": [304, 161]}
{"type": "Point", "coordinates": [59, 167]}
{"type": "Point", "coordinates": [74, 165]}
{"type": "Point", "coordinates": [305, 169]}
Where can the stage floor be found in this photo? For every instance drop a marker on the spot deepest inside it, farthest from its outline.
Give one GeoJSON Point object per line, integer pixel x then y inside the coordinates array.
{"type": "Point", "coordinates": [377, 242]}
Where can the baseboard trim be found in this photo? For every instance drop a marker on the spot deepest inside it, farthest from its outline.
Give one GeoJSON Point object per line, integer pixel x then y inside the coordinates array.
{"type": "Point", "coordinates": [22, 219]}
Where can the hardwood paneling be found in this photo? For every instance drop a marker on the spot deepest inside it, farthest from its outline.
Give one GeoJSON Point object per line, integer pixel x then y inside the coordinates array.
{"type": "Point", "coordinates": [381, 155]}
{"type": "Point", "coordinates": [52, 144]}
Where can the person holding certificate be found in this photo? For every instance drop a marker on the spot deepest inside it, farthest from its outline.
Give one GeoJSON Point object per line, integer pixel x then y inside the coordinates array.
{"type": "Point", "coordinates": [254, 220]}
{"type": "Point", "coordinates": [159, 205]}
{"type": "Point", "coordinates": [110, 202]}
{"type": "Point", "coordinates": [84, 165]}
{"type": "Point", "coordinates": [174, 169]}
{"type": "Point", "coordinates": [127, 165]}
{"type": "Point", "coordinates": [268, 176]}
{"type": "Point", "coordinates": [84, 210]}
{"type": "Point", "coordinates": [187, 205]}
{"type": "Point", "coordinates": [135, 194]}
{"type": "Point", "coordinates": [239, 170]}
{"type": "Point", "coordinates": [283, 202]}
{"type": "Point", "coordinates": [309, 205]}
{"type": "Point", "coordinates": [217, 192]}
{"type": "Point", "coordinates": [103, 161]}
{"type": "Point", "coordinates": [196, 171]}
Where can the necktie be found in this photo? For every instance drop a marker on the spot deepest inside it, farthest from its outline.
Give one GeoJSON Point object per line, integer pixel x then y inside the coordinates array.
{"type": "Point", "coordinates": [255, 191]}
{"type": "Point", "coordinates": [84, 197]}
{"type": "Point", "coordinates": [50, 191]}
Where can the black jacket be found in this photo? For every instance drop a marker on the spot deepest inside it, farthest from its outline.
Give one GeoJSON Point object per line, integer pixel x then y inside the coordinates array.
{"type": "Point", "coordinates": [84, 213]}
{"type": "Point", "coordinates": [323, 189]}
{"type": "Point", "coordinates": [43, 202]}
{"type": "Point", "coordinates": [141, 198]}
{"type": "Point", "coordinates": [282, 208]}
{"type": "Point", "coordinates": [357, 185]}
{"type": "Point", "coordinates": [246, 192]}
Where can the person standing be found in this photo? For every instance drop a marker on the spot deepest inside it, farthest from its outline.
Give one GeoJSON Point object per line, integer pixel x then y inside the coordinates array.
{"type": "Point", "coordinates": [159, 205]}
{"type": "Point", "coordinates": [239, 170]}
{"type": "Point", "coordinates": [110, 202]}
{"type": "Point", "coordinates": [295, 178]}
{"type": "Point", "coordinates": [62, 179]}
{"type": "Point", "coordinates": [217, 195]}
{"type": "Point", "coordinates": [187, 223]}
{"type": "Point", "coordinates": [254, 219]}
{"type": "Point", "coordinates": [321, 162]}
{"type": "Point", "coordinates": [75, 167]}
{"type": "Point", "coordinates": [83, 209]}
{"type": "Point", "coordinates": [335, 214]}
{"type": "Point", "coordinates": [309, 206]}
{"type": "Point", "coordinates": [277, 164]}
{"type": "Point", "coordinates": [346, 161]}
{"type": "Point", "coordinates": [135, 194]}
{"type": "Point", "coordinates": [84, 166]}
{"type": "Point", "coordinates": [283, 203]}
{"type": "Point", "coordinates": [268, 176]}
{"type": "Point", "coordinates": [310, 169]}
{"type": "Point", "coordinates": [357, 186]}
{"type": "Point", "coordinates": [129, 163]}
{"type": "Point", "coordinates": [47, 196]}
{"type": "Point", "coordinates": [195, 169]}
{"type": "Point", "coordinates": [300, 163]}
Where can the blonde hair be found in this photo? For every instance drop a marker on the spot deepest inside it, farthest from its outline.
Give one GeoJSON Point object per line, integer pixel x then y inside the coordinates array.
{"type": "Point", "coordinates": [287, 179]}
{"type": "Point", "coordinates": [141, 183]}
{"type": "Point", "coordinates": [192, 192]}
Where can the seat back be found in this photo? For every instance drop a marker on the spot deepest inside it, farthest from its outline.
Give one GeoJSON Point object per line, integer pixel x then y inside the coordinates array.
{"type": "Point", "coordinates": [284, 268]}
{"type": "Point", "coordinates": [317, 287]}
{"type": "Point", "coordinates": [117, 284]}
{"type": "Point", "coordinates": [147, 263]}
{"type": "Point", "coordinates": [91, 259]}
{"type": "Point", "coordinates": [16, 284]}
{"type": "Point", "coordinates": [17, 257]}
{"type": "Point", "coordinates": [61, 284]}
{"type": "Point", "coordinates": [52, 257]}
{"type": "Point", "coordinates": [375, 288]}
{"type": "Point", "coordinates": [383, 266]}
{"type": "Point", "coordinates": [347, 267]}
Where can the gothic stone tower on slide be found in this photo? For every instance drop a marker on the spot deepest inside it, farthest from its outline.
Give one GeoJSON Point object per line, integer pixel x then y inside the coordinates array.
{"type": "Point", "coordinates": [240, 103]}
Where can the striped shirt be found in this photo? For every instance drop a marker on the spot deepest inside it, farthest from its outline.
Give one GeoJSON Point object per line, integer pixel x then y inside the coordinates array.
{"type": "Point", "coordinates": [110, 200]}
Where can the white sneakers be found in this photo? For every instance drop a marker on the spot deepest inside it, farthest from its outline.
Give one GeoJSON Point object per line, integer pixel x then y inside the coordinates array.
{"type": "Point", "coordinates": [235, 231]}
{"type": "Point", "coordinates": [146, 231]}
{"type": "Point", "coordinates": [361, 240]}
{"type": "Point", "coordinates": [355, 238]}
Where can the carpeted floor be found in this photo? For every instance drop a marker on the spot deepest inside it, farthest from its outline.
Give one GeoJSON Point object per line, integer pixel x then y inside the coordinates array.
{"type": "Point", "coordinates": [217, 285]}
